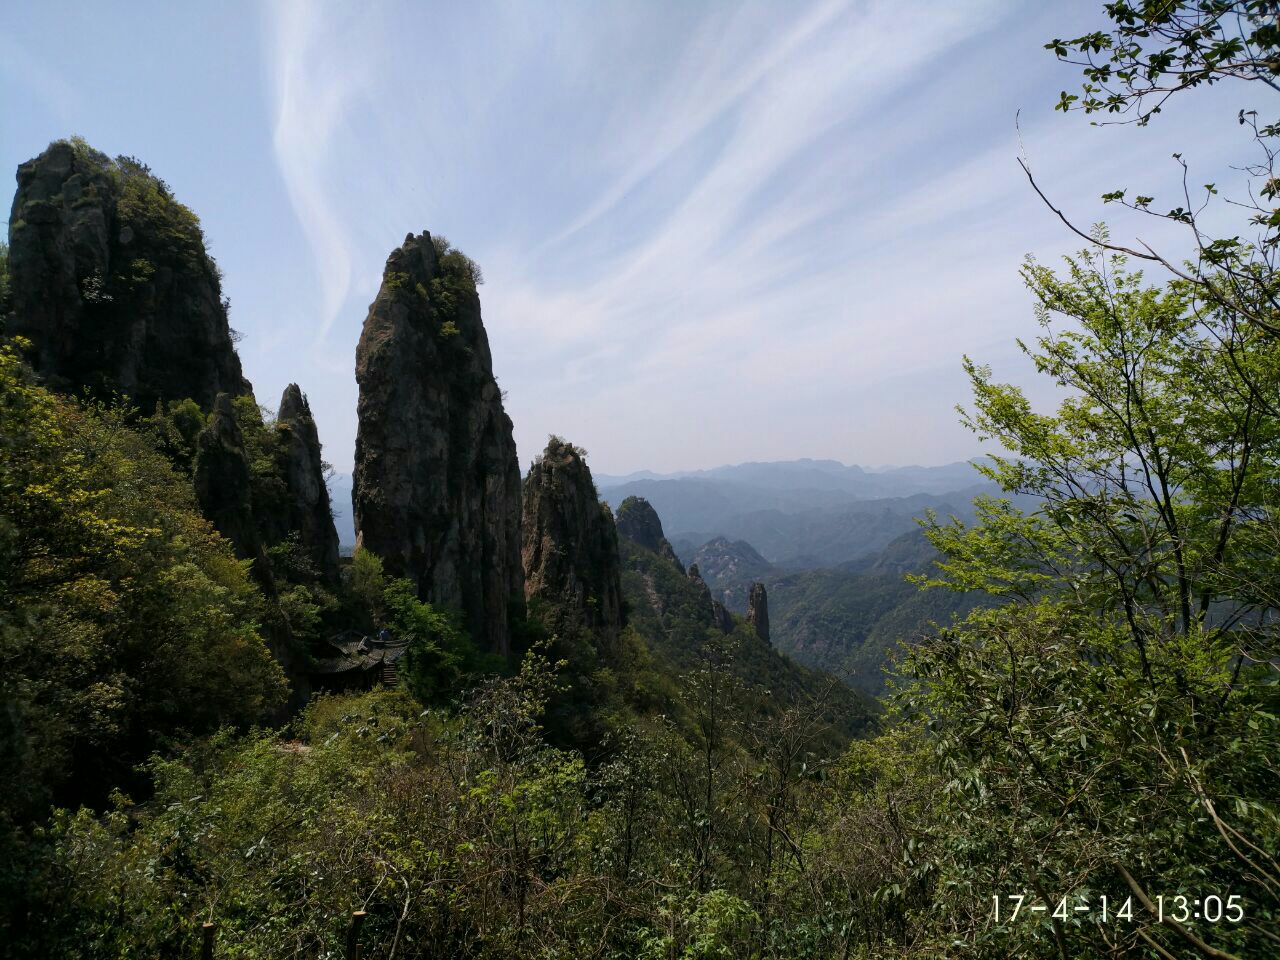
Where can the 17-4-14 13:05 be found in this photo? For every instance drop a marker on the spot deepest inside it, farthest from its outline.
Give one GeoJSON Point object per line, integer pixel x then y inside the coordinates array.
{"type": "Point", "coordinates": [1211, 909]}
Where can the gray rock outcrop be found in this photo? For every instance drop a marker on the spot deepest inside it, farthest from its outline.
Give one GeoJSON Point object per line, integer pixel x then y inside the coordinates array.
{"type": "Point", "coordinates": [222, 481]}
{"type": "Point", "coordinates": [758, 610]}
{"type": "Point", "coordinates": [310, 513]}
{"type": "Point", "coordinates": [570, 543]}
{"type": "Point", "coordinates": [721, 618]}
{"type": "Point", "coordinates": [111, 283]}
{"type": "Point", "coordinates": [436, 486]}
{"type": "Point", "coordinates": [639, 523]}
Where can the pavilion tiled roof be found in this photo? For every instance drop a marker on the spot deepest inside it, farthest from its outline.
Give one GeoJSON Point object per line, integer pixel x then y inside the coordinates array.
{"type": "Point", "coordinates": [356, 651]}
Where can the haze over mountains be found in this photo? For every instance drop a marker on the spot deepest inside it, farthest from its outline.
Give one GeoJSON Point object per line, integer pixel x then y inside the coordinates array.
{"type": "Point", "coordinates": [832, 542]}
{"type": "Point", "coordinates": [829, 475]}
{"type": "Point", "coordinates": [781, 508]}
{"type": "Point", "coordinates": [800, 514]}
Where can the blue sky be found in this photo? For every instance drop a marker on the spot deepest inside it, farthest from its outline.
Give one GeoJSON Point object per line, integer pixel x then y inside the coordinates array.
{"type": "Point", "coordinates": [710, 232]}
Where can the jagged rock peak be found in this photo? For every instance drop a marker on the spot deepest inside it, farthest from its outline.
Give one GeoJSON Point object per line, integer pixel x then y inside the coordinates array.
{"type": "Point", "coordinates": [436, 487]}
{"type": "Point", "coordinates": [570, 543]}
{"type": "Point", "coordinates": [310, 513]}
{"type": "Point", "coordinates": [758, 610]}
{"type": "Point", "coordinates": [294, 405]}
{"type": "Point", "coordinates": [111, 283]}
{"type": "Point", "coordinates": [222, 480]}
{"type": "Point", "coordinates": [719, 616]}
{"type": "Point", "coordinates": [722, 617]}
{"type": "Point", "coordinates": [639, 523]}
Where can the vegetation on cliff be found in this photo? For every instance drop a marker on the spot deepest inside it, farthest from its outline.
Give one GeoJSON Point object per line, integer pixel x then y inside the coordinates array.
{"type": "Point", "coordinates": [650, 778]}
{"type": "Point", "coordinates": [436, 484]}
{"type": "Point", "coordinates": [126, 620]}
{"type": "Point", "coordinates": [112, 284]}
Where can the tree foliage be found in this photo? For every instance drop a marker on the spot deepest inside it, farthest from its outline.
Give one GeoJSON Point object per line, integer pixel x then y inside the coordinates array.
{"type": "Point", "coordinates": [1158, 48]}
{"type": "Point", "coordinates": [460, 832]}
{"type": "Point", "coordinates": [1154, 50]}
{"type": "Point", "coordinates": [1112, 728]}
{"type": "Point", "coordinates": [124, 618]}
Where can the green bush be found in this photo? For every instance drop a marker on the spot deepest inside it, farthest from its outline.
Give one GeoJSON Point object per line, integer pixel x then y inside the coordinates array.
{"type": "Point", "coordinates": [1112, 728]}
{"type": "Point", "coordinates": [441, 658]}
{"type": "Point", "coordinates": [124, 617]}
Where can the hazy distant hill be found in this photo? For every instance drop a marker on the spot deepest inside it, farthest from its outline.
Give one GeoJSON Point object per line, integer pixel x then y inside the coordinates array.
{"type": "Point", "coordinates": [781, 509]}
{"type": "Point", "coordinates": [800, 513]}
{"type": "Point", "coordinates": [823, 536]}
{"type": "Point", "coordinates": [722, 561]}
{"type": "Point", "coordinates": [853, 621]}
{"type": "Point", "coordinates": [672, 613]}
{"type": "Point", "coordinates": [824, 475]}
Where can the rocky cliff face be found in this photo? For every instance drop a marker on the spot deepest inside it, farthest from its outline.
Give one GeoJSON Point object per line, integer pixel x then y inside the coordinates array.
{"type": "Point", "coordinates": [758, 610]}
{"type": "Point", "coordinates": [302, 468]}
{"type": "Point", "coordinates": [436, 487]}
{"type": "Point", "coordinates": [570, 544]}
{"type": "Point", "coordinates": [222, 480]}
{"type": "Point", "coordinates": [720, 617]}
{"type": "Point", "coordinates": [111, 283]}
{"type": "Point", "coordinates": [639, 523]}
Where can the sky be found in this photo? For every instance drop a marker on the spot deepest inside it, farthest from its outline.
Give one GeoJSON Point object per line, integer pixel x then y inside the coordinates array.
{"type": "Point", "coordinates": [710, 232]}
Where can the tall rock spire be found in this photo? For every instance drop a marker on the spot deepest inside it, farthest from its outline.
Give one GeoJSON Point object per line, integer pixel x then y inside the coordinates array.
{"type": "Point", "coordinates": [720, 617]}
{"type": "Point", "coordinates": [570, 544]}
{"type": "Point", "coordinates": [758, 610]}
{"type": "Point", "coordinates": [310, 513]}
{"type": "Point", "coordinates": [224, 486]}
{"type": "Point", "coordinates": [639, 523]}
{"type": "Point", "coordinates": [436, 487]}
{"type": "Point", "coordinates": [111, 283]}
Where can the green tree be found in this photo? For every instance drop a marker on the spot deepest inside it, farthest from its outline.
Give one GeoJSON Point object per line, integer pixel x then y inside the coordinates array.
{"type": "Point", "coordinates": [124, 618]}
{"type": "Point", "coordinates": [441, 658]}
{"type": "Point", "coordinates": [1112, 729]}
{"type": "Point", "coordinates": [1151, 51]}
{"type": "Point", "coordinates": [175, 427]}
{"type": "Point", "coordinates": [367, 582]}
{"type": "Point", "coordinates": [441, 661]}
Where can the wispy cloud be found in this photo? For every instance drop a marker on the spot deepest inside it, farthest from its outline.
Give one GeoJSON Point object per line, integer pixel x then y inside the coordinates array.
{"type": "Point", "coordinates": [709, 232]}
{"type": "Point", "coordinates": [736, 251]}
{"type": "Point", "coordinates": [314, 87]}
{"type": "Point", "coordinates": [715, 76]}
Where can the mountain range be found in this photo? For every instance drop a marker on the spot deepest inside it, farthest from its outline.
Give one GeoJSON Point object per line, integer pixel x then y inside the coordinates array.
{"type": "Point", "coordinates": [797, 513]}
{"type": "Point", "coordinates": [833, 544]}
{"type": "Point", "coordinates": [800, 514]}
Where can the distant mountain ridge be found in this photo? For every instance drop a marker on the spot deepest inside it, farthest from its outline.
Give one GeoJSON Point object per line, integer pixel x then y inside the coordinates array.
{"type": "Point", "coordinates": [340, 496]}
{"type": "Point", "coordinates": [853, 621]}
{"type": "Point", "coordinates": [797, 536]}
{"type": "Point", "coordinates": [833, 544]}
{"type": "Point", "coordinates": [825, 475]}
{"type": "Point", "coordinates": [723, 561]}
{"type": "Point", "coordinates": [800, 514]}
